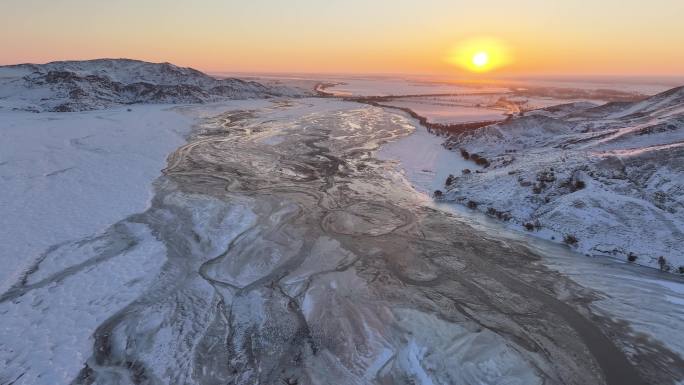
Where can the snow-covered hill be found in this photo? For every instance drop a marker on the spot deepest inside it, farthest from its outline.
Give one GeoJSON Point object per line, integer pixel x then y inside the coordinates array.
{"type": "Point", "coordinates": [95, 84]}
{"type": "Point", "coordinates": [607, 180]}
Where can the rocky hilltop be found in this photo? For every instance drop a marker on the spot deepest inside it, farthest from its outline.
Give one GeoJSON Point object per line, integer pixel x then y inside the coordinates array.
{"type": "Point", "coordinates": [95, 84]}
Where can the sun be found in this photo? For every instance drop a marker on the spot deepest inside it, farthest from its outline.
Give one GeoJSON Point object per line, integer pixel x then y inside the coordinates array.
{"type": "Point", "coordinates": [480, 55]}
{"type": "Point", "coordinates": [480, 59]}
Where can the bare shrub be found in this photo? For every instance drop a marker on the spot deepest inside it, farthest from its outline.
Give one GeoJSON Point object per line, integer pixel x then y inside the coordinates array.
{"type": "Point", "coordinates": [539, 187]}
{"type": "Point", "coordinates": [662, 262]}
{"type": "Point", "coordinates": [546, 176]}
{"type": "Point", "coordinates": [570, 239]}
{"type": "Point", "coordinates": [480, 161]}
{"type": "Point", "coordinates": [579, 185]}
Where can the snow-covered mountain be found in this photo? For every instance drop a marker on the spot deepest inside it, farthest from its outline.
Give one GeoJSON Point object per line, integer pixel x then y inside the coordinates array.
{"type": "Point", "coordinates": [95, 84]}
{"type": "Point", "coordinates": [608, 180]}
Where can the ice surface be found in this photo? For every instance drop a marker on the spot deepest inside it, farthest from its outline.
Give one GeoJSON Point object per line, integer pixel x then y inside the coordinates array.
{"type": "Point", "coordinates": [439, 112]}
{"type": "Point", "coordinates": [385, 86]}
{"type": "Point", "coordinates": [424, 161]}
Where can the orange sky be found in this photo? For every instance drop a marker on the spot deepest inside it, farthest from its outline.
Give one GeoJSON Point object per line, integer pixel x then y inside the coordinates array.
{"type": "Point", "coordinates": [369, 36]}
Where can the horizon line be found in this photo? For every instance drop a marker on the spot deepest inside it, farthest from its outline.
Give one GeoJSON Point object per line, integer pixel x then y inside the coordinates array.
{"type": "Point", "coordinates": [454, 76]}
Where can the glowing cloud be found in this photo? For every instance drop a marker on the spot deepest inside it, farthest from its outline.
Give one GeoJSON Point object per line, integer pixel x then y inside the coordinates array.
{"type": "Point", "coordinates": [480, 55]}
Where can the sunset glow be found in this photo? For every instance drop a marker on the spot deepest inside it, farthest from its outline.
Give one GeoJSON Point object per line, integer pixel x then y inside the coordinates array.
{"type": "Point", "coordinates": [534, 36]}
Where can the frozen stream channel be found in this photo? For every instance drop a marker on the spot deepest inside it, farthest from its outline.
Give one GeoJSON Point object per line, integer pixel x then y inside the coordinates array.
{"type": "Point", "coordinates": [279, 249]}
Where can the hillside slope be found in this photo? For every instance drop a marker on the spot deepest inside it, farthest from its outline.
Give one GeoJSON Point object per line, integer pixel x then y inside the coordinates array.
{"type": "Point", "coordinates": [607, 180]}
{"type": "Point", "coordinates": [96, 84]}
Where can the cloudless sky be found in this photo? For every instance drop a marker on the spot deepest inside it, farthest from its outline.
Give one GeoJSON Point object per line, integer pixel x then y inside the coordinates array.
{"type": "Point", "coordinates": [617, 37]}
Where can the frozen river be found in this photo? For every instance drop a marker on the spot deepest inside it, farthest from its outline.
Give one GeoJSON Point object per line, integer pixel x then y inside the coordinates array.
{"type": "Point", "coordinates": [279, 248]}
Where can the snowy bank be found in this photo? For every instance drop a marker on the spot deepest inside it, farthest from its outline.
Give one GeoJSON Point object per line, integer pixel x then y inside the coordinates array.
{"type": "Point", "coordinates": [69, 175]}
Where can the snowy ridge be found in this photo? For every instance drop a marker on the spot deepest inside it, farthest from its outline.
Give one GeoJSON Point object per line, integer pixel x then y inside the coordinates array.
{"type": "Point", "coordinates": [607, 180]}
{"type": "Point", "coordinates": [96, 84]}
